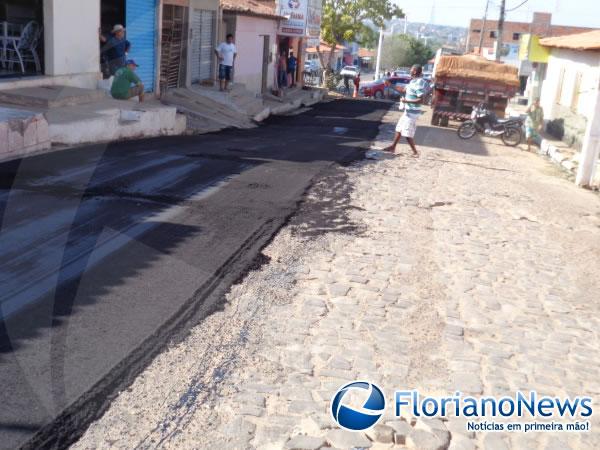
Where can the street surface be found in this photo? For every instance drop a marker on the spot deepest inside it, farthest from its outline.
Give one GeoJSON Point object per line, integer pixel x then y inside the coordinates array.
{"type": "Point", "coordinates": [473, 269]}
{"type": "Point", "coordinates": [109, 252]}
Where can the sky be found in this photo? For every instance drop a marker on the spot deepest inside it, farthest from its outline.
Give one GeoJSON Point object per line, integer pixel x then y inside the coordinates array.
{"type": "Point", "coordinates": [584, 13]}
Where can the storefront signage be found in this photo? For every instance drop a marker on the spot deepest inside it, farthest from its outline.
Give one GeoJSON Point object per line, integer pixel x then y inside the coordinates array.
{"type": "Point", "coordinates": [313, 22]}
{"type": "Point", "coordinates": [296, 12]}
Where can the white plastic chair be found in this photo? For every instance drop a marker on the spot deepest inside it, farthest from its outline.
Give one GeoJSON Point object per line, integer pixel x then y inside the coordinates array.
{"type": "Point", "coordinates": [23, 49]}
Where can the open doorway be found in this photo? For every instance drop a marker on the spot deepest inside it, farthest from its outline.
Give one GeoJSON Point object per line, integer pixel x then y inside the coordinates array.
{"type": "Point", "coordinates": [112, 13]}
{"type": "Point", "coordinates": [21, 38]}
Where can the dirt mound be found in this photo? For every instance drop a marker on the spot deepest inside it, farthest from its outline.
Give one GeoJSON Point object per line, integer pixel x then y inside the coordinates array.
{"type": "Point", "coordinates": [476, 67]}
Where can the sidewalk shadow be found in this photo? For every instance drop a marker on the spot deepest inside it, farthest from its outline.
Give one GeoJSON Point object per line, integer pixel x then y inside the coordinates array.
{"type": "Point", "coordinates": [448, 140]}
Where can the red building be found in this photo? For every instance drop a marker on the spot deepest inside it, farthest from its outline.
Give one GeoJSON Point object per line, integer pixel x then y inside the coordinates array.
{"type": "Point", "coordinates": [541, 25]}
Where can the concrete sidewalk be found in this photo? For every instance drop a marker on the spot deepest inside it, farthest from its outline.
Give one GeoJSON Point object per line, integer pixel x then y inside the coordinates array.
{"type": "Point", "coordinates": [36, 118]}
{"type": "Point", "coordinates": [471, 269]}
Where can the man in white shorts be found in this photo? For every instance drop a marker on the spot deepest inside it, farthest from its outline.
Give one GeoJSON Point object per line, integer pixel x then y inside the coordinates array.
{"type": "Point", "coordinates": [411, 105]}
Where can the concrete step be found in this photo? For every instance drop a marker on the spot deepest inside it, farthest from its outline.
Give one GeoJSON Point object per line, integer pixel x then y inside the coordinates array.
{"type": "Point", "coordinates": [111, 120]}
{"type": "Point", "coordinates": [239, 99]}
{"type": "Point", "coordinates": [22, 132]}
{"type": "Point", "coordinates": [299, 98]}
{"type": "Point", "coordinates": [199, 106]}
{"type": "Point", "coordinates": [50, 96]}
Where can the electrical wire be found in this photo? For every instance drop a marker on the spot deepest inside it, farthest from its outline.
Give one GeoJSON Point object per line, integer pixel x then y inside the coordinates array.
{"type": "Point", "coordinates": [517, 7]}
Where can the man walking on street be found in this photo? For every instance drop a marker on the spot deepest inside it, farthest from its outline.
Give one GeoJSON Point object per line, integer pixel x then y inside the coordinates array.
{"type": "Point", "coordinates": [411, 105]}
{"type": "Point", "coordinates": [226, 54]}
{"type": "Point", "coordinates": [125, 77]}
{"type": "Point", "coordinates": [115, 48]}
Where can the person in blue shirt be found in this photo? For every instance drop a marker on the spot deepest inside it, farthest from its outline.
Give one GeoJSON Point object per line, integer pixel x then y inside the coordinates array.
{"type": "Point", "coordinates": [411, 105]}
{"type": "Point", "coordinates": [292, 66]}
{"type": "Point", "coordinates": [115, 48]}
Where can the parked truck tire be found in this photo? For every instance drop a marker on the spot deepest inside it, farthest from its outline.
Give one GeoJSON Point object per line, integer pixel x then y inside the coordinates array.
{"type": "Point", "coordinates": [444, 121]}
{"type": "Point", "coordinates": [435, 120]}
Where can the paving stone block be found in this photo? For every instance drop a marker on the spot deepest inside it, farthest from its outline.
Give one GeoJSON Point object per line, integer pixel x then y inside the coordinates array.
{"type": "Point", "coordinates": [381, 433]}
{"type": "Point", "coordinates": [305, 443]}
{"type": "Point", "coordinates": [424, 440]}
{"type": "Point", "coordinates": [401, 431]}
{"type": "Point", "coordinates": [347, 439]}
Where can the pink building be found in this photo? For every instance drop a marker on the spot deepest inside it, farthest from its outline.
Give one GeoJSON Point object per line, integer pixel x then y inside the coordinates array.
{"type": "Point", "coordinates": [254, 25]}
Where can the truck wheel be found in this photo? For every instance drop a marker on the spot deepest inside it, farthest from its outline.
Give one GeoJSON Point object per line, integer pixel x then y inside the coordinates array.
{"type": "Point", "coordinates": [435, 120]}
{"type": "Point", "coordinates": [444, 121]}
{"type": "Point", "coordinates": [378, 95]}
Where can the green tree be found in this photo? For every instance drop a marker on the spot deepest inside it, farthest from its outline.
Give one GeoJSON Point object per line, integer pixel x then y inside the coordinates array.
{"type": "Point", "coordinates": [344, 20]}
{"type": "Point", "coordinates": [404, 51]}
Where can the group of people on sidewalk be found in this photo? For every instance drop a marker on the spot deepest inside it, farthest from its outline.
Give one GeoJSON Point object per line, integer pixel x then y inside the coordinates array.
{"type": "Point", "coordinates": [287, 66]}
{"type": "Point", "coordinates": [127, 84]}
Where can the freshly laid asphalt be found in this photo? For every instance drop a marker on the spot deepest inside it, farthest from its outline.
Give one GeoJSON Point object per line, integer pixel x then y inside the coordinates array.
{"type": "Point", "coordinates": [110, 252]}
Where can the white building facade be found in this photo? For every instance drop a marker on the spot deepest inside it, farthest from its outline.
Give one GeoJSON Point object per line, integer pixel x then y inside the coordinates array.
{"type": "Point", "coordinates": [570, 96]}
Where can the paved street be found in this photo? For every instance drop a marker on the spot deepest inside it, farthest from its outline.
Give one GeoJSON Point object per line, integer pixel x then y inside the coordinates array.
{"type": "Point", "coordinates": [473, 269]}
{"type": "Point", "coordinates": [109, 252]}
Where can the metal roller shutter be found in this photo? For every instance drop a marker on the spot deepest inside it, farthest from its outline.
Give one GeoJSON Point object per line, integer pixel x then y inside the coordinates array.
{"type": "Point", "coordinates": [141, 32]}
{"type": "Point", "coordinates": [202, 44]}
{"type": "Point", "coordinates": [195, 44]}
{"type": "Point", "coordinates": [207, 45]}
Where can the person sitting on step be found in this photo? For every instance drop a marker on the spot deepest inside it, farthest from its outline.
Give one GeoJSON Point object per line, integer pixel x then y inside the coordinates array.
{"type": "Point", "coordinates": [127, 84]}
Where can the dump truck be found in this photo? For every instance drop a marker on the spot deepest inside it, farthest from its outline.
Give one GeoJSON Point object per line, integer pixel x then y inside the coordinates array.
{"type": "Point", "coordinates": [463, 82]}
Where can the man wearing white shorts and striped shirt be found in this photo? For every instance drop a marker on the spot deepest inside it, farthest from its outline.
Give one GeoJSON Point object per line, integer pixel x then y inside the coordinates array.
{"type": "Point", "coordinates": [411, 105]}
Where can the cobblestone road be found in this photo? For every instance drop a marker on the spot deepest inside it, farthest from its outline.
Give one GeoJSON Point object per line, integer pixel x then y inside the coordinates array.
{"type": "Point", "coordinates": [474, 268]}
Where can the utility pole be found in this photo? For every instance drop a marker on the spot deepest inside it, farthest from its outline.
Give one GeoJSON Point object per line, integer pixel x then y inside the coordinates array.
{"type": "Point", "coordinates": [379, 47]}
{"type": "Point", "coordinates": [487, 5]}
{"type": "Point", "coordinates": [405, 23]}
{"type": "Point", "coordinates": [500, 30]}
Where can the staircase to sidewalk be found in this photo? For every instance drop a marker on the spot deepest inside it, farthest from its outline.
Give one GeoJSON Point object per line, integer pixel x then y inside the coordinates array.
{"type": "Point", "coordinates": [293, 99]}
{"type": "Point", "coordinates": [209, 110]}
{"type": "Point", "coordinates": [34, 118]}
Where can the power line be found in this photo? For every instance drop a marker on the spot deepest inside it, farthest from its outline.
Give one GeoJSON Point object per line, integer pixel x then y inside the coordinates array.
{"type": "Point", "coordinates": [518, 6]}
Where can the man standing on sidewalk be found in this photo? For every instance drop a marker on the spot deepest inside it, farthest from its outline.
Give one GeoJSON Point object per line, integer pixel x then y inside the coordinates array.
{"type": "Point", "coordinates": [226, 53]}
{"type": "Point", "coordinates": [292, 65]}
{"type": "Point", "coordinates": [115, 48]}
{"type": "Point", "coordinates": [411, 105]}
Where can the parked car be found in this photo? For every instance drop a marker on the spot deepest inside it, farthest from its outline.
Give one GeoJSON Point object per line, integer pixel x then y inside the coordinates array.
{"type": "Point", "coordinates": [349, 71]}
{"type": "Point", "coordinates": [395, 82]}
{"type": "Point", "coordinates": [374, 88]}
{"type": "Point", "coordinates": [401, 73]}
{"type": "Point", "coordinates": [311, 66]}
{"type": "Point", "coordinates": [378, 89]}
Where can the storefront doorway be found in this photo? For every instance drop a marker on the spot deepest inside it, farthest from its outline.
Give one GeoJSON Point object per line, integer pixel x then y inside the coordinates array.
{"type": "Point", "coordinates": [112, 12]}
{"type": "Point", "coordinates": [21, 38]}
{"type": "Point", "coordinates": [173, 47]}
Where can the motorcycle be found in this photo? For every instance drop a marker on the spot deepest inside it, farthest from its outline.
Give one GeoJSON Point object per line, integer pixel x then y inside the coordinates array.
{"type": "Point", "coordinates": [486, 122]}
